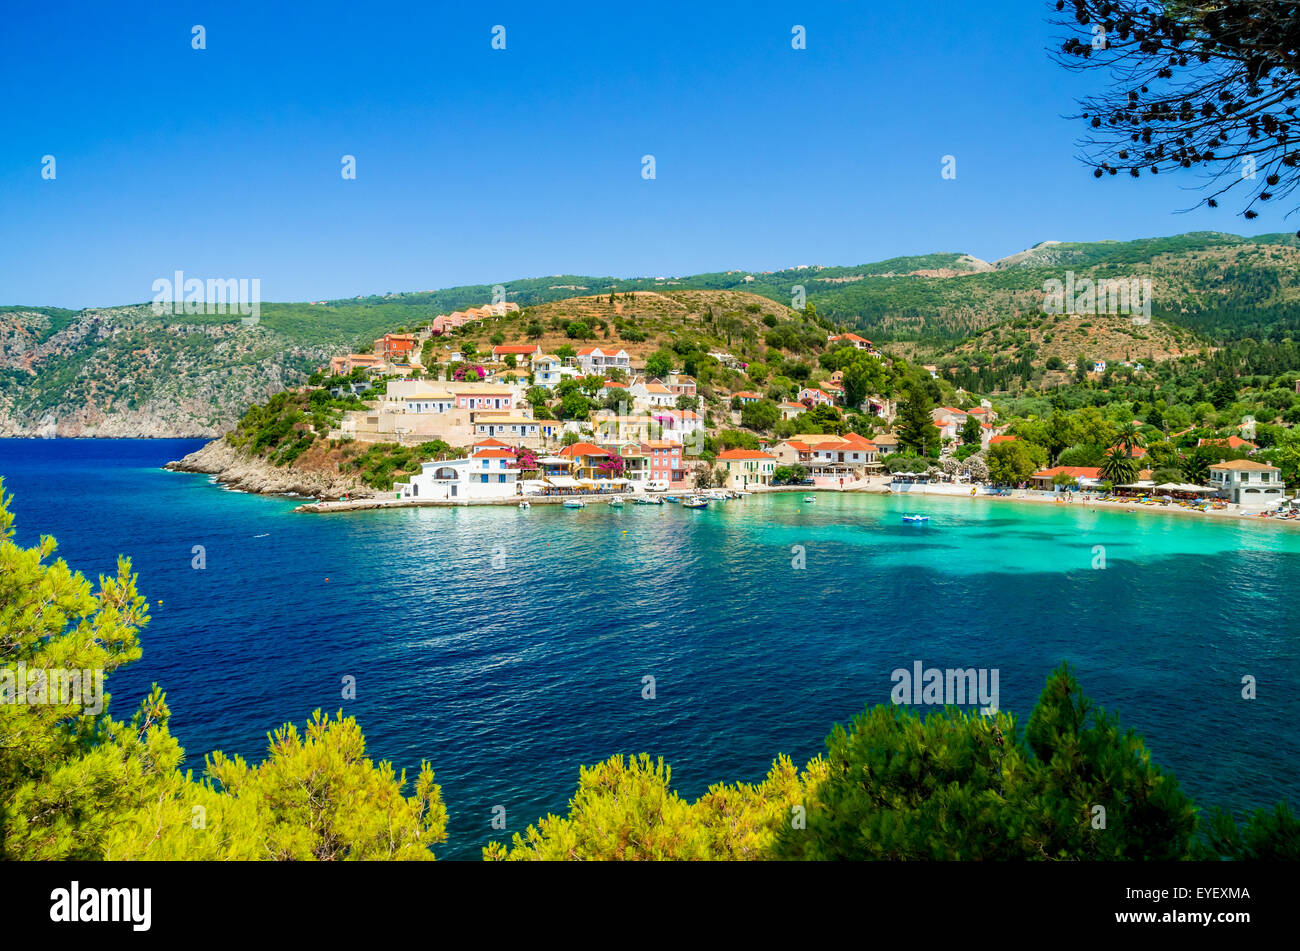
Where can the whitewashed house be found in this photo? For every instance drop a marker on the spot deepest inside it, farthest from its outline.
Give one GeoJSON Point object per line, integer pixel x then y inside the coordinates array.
{"type": "Point", "coordinates": [596, 360]}
{"type": "Point", "coordinates": [1251, 484]}
{"type": "Point", "coordinates": [652, 394]}
{"type": "Point", "coordinates": [488, 474]}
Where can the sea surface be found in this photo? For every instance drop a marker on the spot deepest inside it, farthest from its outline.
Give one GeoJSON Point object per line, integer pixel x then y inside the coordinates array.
{"type": "Point", "coordinates": [510, 647]}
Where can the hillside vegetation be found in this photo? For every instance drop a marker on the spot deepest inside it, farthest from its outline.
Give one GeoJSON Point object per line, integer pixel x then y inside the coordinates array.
{"type": "Point", "coordinates": [122, 371]}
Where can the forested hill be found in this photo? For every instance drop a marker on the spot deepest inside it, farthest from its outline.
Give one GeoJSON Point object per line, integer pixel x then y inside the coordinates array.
{"type": "Point", "coordinates": [122, 371]}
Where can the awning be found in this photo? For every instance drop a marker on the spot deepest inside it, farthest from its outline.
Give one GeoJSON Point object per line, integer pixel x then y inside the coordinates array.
{"type": "Point", "coordinates": [554, 461]}
{"type": "Point", "coordinates": [1185, 487]}
{"type": "Point", "coordinates": [563, 482]}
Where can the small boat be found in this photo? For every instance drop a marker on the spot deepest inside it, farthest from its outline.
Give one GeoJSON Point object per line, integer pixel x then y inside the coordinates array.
{"type": "Point", "coordinates": [809, 499]}
{"type": "Point", "coordinates": [916, 518]}
{"type": "Point", "coordinates": [671, 498]}
{"type": "Point", "coordinates": [696, 502]}
{"type": "Point", "coordinates": [574, 504]}
{"type": "Point", "coordinates": [616, 501]}
{"type": "Point", "coordinates": [647, 500]}
{"type": "Point", "coordinates": [525, 504]}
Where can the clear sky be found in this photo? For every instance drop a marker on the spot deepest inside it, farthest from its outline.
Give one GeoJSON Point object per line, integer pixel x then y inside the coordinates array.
{"type": "Point", "coordinates": [481, 165]}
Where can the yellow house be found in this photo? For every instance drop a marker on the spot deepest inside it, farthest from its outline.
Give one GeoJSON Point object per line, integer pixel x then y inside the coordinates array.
{"type": "Point", "coordinates": [747, 468]}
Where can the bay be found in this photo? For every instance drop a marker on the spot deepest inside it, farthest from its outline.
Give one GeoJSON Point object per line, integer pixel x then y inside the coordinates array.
{"type": "Point", "coordinates": [510, 647]}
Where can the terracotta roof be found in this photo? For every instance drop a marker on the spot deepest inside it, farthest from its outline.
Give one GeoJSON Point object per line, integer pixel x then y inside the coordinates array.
{"type": "Point", "coordinates": [743, 454]}
{"type": "Point", "coordinates": [1002, 439]}
{"type": "Point", "coordinates": [1232, 442]}
{"type": "Point", "coordinates": [1249, 465]}
{"type": "Point", "coordinates": [516, 348]}
{"type": "Point", "coordinates": [583, 449]}
{"type": "Point", "coordinates": [1079, 472]}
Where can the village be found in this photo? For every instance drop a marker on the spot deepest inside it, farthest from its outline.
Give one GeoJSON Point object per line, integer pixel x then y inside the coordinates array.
{"type": "Point", "coordinates": [651, 438]}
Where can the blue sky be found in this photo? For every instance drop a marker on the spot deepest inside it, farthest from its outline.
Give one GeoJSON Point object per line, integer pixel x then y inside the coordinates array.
{"type": "Point", "coordinates": [480, 165]}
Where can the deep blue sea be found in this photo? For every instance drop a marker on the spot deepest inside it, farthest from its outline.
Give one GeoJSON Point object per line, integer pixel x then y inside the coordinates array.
{"type": "Point", "coordinates": [508, 677]}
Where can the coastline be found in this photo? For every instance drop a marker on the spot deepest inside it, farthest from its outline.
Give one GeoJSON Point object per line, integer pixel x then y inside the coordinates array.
{"type": "Point", "coordinates": [1233, 512]}
{"type": "Point", "coordinates": [873, 487]}
{"type": "Point", "coordinates": [237, 470]}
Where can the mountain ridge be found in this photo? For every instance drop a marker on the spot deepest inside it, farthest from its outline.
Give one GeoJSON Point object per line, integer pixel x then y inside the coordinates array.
{"type": "Point", "coordinates": [123, 371]}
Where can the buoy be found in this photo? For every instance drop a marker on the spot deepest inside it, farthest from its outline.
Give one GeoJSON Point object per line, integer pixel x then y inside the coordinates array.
{"type": "Point", "coordinates": [327, 579]}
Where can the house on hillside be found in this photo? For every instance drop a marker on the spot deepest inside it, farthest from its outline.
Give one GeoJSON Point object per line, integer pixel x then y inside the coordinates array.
{"type": "Point", "coordinates": [858, 343]}
{"type": "Point", "coordinates": [1232, 442]}
{"type": "Point", "coordinates": [591, 360]}
{"type": "Point", "coordinates": [791, 410]}
{"type": "Point", "coordinates": [523, 353]}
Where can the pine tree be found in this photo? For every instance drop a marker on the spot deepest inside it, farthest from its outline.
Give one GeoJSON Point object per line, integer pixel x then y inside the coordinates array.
{"type": "Point", "coordinates": [77, 784]}
{"type": "Point", "coordinates": [915, 428]}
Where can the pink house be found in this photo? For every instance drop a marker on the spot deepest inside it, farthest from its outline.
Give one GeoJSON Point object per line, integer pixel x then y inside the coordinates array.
{"type": "Point", "coordinates": [815, 396]}
{"type": "Point", "coordinates": [665, 460]}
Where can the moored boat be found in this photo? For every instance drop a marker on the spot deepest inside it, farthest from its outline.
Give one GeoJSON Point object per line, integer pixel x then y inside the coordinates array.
{"type": "Point", "coordinates": [809, 499]}
{"type": "Point", "coordinates": [696, 502]}
{"type": "Point", "coordinates": [916, 518]}
{"type": "Point", "coordinates": [671, 498]}
{"type": "Point", "coordinates": [574, 504]}
{"type": "Point", "coordinates": [616, 501]}
{"type": "Point", "coordinates": [525, 504]}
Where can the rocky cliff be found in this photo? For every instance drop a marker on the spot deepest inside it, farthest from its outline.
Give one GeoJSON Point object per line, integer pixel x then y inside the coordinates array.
{"type": "Point", "coordinates": [238, 470]}
{"type": "Point", "coordinates": [122, 372]}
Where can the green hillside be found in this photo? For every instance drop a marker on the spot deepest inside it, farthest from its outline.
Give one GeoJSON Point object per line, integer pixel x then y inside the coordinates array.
{"type": "Point", "coordinates": [126, 371]}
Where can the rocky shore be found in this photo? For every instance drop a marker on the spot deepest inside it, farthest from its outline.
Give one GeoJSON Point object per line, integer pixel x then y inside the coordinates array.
{"type": "Point", "coordinates": [237, 470]}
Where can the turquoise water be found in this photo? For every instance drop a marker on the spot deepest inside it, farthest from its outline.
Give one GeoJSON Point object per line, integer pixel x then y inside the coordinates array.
{"type": "Point", "coordinates": [507, 678]}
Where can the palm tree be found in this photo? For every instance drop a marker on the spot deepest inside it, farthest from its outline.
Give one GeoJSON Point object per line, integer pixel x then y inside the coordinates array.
{"type": "Point", "coordinates": [1118, 467]}
{"type": "Point", "coordinates": [1195, 467]}
{"type": "Point", "coordinates": [1129, 438]}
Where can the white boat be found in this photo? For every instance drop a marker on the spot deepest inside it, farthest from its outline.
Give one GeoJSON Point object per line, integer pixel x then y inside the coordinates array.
{"type": "Point", "coordinates": [695, 502]}
{"type": "Point", "coordinates": [574, 504]}
{"type": "Point", "coordinates": [525, 504]}
{"type": "Point", "coordinates": [916, 518]}
{"type": "Point", "coordinates": [616, 501]}
{"type": "Point", "coordinates": [809, 499]}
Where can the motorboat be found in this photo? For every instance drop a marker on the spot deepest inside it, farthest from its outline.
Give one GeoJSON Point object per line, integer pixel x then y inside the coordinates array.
{"type": "Point", "coordinates": [696, 502]}
{"type": "Point", "coordinates": [616, 501]}
{"type": "Point", "coordinates": [916, 518]}
{"type": "Point", "coordinates": [574, 504]}
{"type": "Point", "coordinates": [525, 504]}
{"type": "Point", "coordinates": [648, 500]}
{"type": "Point", "coordinates": [671, 498]}
{"type": "Point", "coordinates": [809, 499]}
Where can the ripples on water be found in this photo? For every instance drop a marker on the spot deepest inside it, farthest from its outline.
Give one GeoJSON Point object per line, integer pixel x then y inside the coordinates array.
{"type": "Point", "coordinates": [508, 680]}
